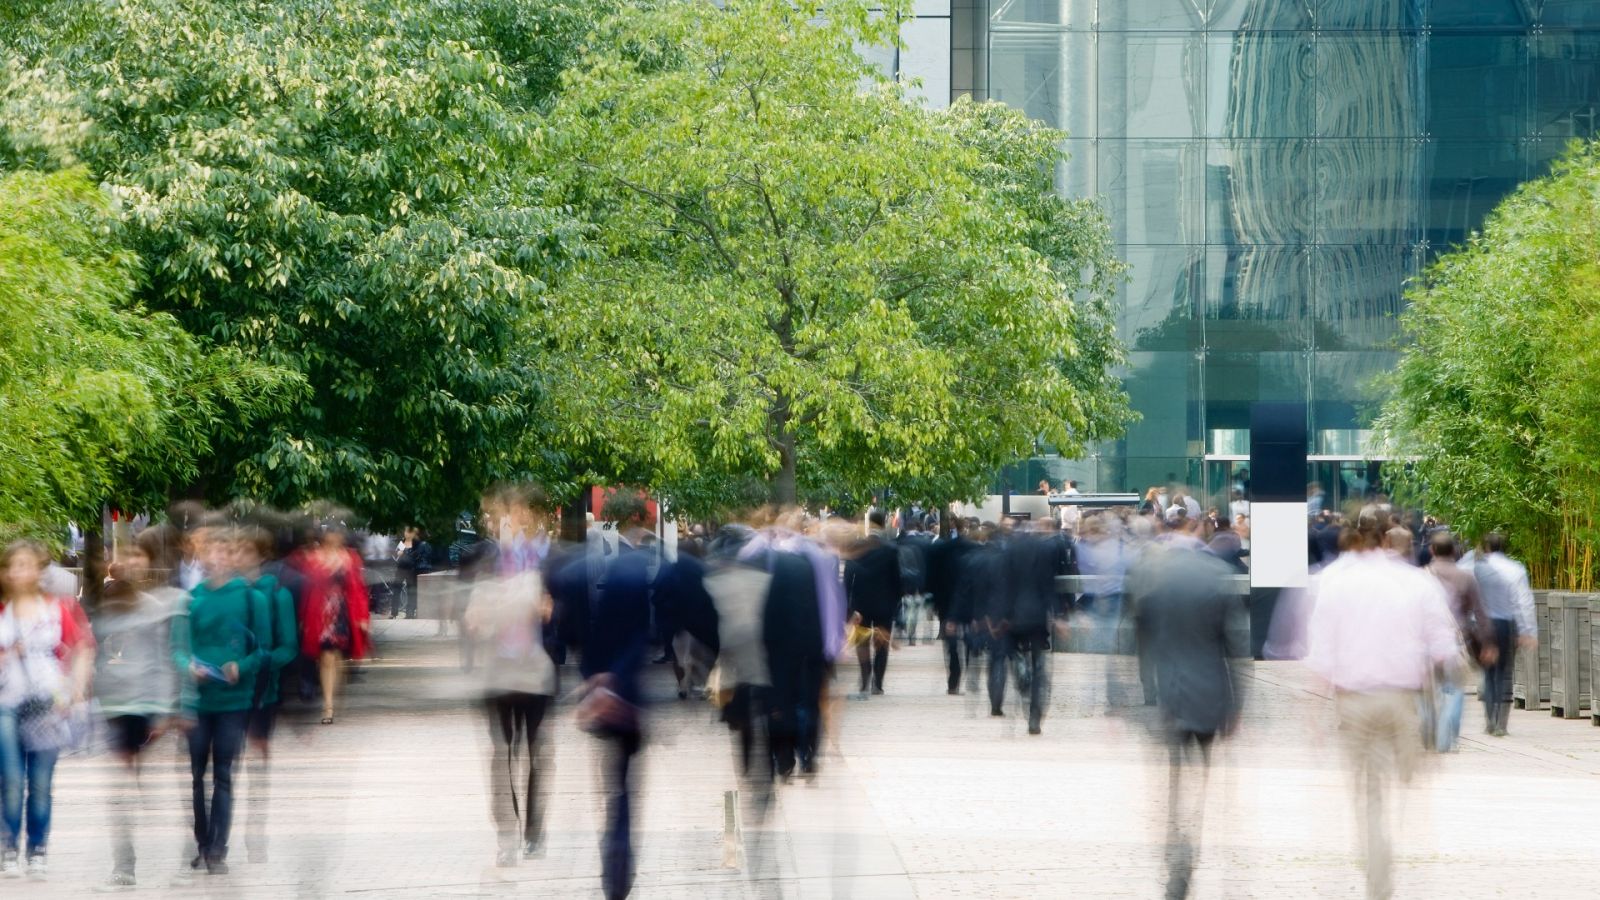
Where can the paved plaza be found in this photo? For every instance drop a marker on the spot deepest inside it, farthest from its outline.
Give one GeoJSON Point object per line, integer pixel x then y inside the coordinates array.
{"type": "Point", "coordinates": [922, 795]}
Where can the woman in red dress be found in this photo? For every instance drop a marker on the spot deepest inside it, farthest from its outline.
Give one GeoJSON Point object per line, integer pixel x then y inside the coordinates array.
{"type": "Point", "coordinates": [335, 615]}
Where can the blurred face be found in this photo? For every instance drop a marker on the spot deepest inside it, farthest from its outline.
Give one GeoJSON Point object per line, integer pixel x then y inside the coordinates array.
{"type": "Point", "coordinates": [245, 556]}
{"type": "Point", "coordinates": [216, 554]}
{"type": "Point", "coordinates": [22, 573]}
{"type": "Point", "coordinates": [132, 565]}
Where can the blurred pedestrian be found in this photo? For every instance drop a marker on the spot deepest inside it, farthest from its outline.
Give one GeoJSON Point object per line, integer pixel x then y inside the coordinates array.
{"type": "Point", "coordinates": [413, 558]}
{"type": "Point", "coordinates": [335, 622]}
{"type": "Point", "coordinates": [1508, 600]}
{"type": "Point", "coordinates": [946, 560]}
{"type": "Point", "coordinates": [46, 659]}
{"type": "Point", "coordinates": [1377, 628]}
{"type": "Point", "coordinates": [616, 640]}
{"type": "Point", "coordinates": [1475, 630]}
{"type": "Point", "coordinates": [1022, 620]}
{"type": "Point", "coordinates": [219, 653]}
{"type": "Point", "coordinates": [1183, 607]}
{"type": "Point", "coordinates": [253, 547]}
{"type": "Point", "coordinates": [135, 681]}
{"type": "Point", "coordinates": [874, 588]}
{"type": "Point", "coordinates": [506, 616]}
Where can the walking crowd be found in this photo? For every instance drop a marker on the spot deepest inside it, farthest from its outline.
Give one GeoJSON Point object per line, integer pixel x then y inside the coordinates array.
{"type": "Point", "coordinates": [205, 625]}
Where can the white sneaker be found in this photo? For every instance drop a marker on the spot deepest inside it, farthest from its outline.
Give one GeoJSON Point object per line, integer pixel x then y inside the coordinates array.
{"type": "Point", "coordinates": [36, 865]}
{"type": "Point", "coordinates": [9, 867]}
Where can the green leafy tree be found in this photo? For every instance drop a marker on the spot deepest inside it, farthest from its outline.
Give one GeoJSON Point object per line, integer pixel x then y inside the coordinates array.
{"type": "Point", "coordinates": [801, 275]}
{"type": "Point", "coordinates": [1493, 404]}
{"type": "Point", "coordinates": [100, 401]}
{"type": "Point", "coordinates": [341, 188]}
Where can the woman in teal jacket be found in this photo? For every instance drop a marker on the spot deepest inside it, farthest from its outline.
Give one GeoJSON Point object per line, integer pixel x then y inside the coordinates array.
{"type": "Point", "coordinates": [219, 649]}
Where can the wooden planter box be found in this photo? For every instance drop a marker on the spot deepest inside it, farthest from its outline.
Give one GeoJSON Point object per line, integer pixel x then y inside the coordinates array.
{"type": "Point", "coordinates": [1530, 678]}
{"type": "Point", "coordinates": [1594, 645]}
{"type": "Point", "coordinates": [1571, 653]}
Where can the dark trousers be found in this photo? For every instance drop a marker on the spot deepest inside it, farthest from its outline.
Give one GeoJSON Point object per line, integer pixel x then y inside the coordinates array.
{"type": "Point", "coordinates": [1497, 678]}
{"type": "Point", "coordinates": [796, 714]}
{"type": "Point", "coordinates": [215, 740]}
{"type": "Point", "coordinates": [616, 845]}
{"type": "Point", "coordinates": [954, 649]}
{"type": "Point", "coordinates": [873, 656]}
{"type": "Point", "coordinates": [411, 594]}
{"type": "Point", "coordinates": [514, 800]}
{"type": "Point", "coordinates": [1029, 654]}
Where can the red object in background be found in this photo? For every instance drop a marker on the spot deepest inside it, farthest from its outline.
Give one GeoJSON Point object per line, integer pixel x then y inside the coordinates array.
{"type": "Point", "coordinates": [599, 495]}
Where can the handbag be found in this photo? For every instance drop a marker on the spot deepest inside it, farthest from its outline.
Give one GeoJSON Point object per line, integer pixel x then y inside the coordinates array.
{"type": "Point", "coordinates": [603, 712]}
{"type": "Point", "coordinates": [45, 725]}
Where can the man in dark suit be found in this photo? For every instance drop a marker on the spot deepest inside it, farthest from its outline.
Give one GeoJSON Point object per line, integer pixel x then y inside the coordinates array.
{"type": "Point", "coordinates": [873, 588]}
{"type": "Point", "coordinates": [1183, 608]}
{"type": "Point", "coordinates": [1022, 619]}
{"type": "Point", "coordinates": [946, 560]}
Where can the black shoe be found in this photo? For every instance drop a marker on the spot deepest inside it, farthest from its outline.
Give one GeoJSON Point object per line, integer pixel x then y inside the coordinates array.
{"type": "Point", "coordinates": [954, 692]}
{"type": "Point", "coordinates": [660, 660]}
{"type": "Point", "coordinates": [877, 691]}
{"type": "Point", "coordinates": [1033, 728]}
{"type": "Point", "coordinates": [216, 867]}
{"type": "Point", "coordinates": [199, 862]}
{"type": "Point", "coordinates": [996, 711]}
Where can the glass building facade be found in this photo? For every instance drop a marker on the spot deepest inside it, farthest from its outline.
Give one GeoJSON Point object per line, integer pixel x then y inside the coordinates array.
{"type": "Point", "coordinates": [1275, 171]}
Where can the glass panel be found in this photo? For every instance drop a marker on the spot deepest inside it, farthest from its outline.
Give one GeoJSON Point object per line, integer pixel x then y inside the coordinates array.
{"type": "Point", "coordinates": [1538, 156]}
{"type": "Point", "coordinates": [1257, 298]}
{"type": "Point", "coordinates": [1368, 86]}
{"type": "Point", "coordinates": [1255, 15]}
{"type": "Point", "coordinates": [1048, 75]}
{"type": "Point", "coordinates": [1478, 86]}
{"type": "Point", "coordinates": [1236, 380]}
{"type": "Point", "coordinates": [1478, 14]}
{"type": "Point", "coordinates": [1566, 85]}
{"type": "Point", "coordinates": [1076, 14]}
{"type": "Point", "coordinates": [1347, 388]}
{"type": "Point", "coordinates": [1156, 15]}
{"type": "Point", "coordinates": [1151, 86]}
{"type": "Point", "coordinates": [1259, 192]}
{"type": "Point", "coordinates": [1260, 86]}
{"type": "Point", "coordinates": [1570, 14]}
{"type": "Point", "coordinates": [1161, 303]}
{"type": "Point", "coordinates": [1155, 190]}
{"type": "Point", "coordinates": [1359, 295]}
{"type": "Point", "coordinates": [1164, 387]}
{"type": "Point", "coordinates": [1465, 180]}
{"type": "Point", "coordinates": [1367, 15]}
{"type": "Point", "coordinates": [1368, 192]}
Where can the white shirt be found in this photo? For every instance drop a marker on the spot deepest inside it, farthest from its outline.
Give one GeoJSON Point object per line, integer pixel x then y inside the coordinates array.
{"type": "Point", "coordinates": [1378, 623]}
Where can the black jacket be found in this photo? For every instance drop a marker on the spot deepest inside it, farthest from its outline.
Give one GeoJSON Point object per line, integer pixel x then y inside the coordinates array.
{"type": "Point", "coordinates": [946, 560]}
{"type": "Point", "coordinates": [1182, 608]}
{"type": "Point", "coordinates": [872, 582]}
{"type": "Point", "coordinates": [791, 629]}
{"type": "Point", "coordinates": [979, 584]}
{"type": "Point", "coordinates": [1032, 563]}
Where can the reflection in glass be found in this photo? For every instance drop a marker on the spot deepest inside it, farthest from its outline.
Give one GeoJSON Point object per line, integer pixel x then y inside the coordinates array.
{"type": "Point", "coordinates": [1259, 192]}
{"type": "Point", "coordinates": [1367, 86]}
{"type": "Point", "coordinates": [1477, 86]}
{"type": "Point", "coordinates": [1566, 84]}
{"type": "Point", "coordinates": [1154, 190]}
{"type": "Point", "coordinates": [1360, 294]}
{"type": "Point", "coordinates": [1161, 302]}
{"type": "Point", "coordinates": [1153, 85]}
{"type": "Point", "coordinates": [1258, 298]}
{"type": "Point", "coordinates": [1368, 192]}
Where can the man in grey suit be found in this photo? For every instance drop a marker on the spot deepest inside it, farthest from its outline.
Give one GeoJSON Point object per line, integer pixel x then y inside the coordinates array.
{"type": "Point", "coordinates": [1182, 608]}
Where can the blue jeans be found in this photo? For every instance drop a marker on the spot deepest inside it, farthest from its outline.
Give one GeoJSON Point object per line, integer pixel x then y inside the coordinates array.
{"type": "Point", "coordinates": [1447, 703]}
{"type": "Point", "coordinates": [19, 767]}
{"type": "Point", "coordinates": [216, 738]}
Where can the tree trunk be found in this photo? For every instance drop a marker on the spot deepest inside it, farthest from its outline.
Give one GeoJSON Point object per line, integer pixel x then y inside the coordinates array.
{"type": "Point", "coordinates": [94, 566]}
{"type": "Point", "coordinates": [574, 524]}
{"type": "Point", "coordinates": [784, 491]}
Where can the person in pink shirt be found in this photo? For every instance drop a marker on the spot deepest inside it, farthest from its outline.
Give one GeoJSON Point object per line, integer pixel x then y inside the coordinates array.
{"type": "Point", "coordinates": [1377, 628]}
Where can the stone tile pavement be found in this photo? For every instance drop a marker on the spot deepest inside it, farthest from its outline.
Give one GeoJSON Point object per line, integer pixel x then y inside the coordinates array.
{"type": "Point", "coordinates": [923, 796]}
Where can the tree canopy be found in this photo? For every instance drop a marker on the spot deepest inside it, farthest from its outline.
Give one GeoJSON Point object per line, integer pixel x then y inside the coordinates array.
{"type": "Point", "coordinates": [100, 401]}
{"type": "Point", "coordinates": [340, 188]}
{"type": "Point", "coordinates": [800, 274]}
{"type": "Point", "coordinates": [1493, 403]}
